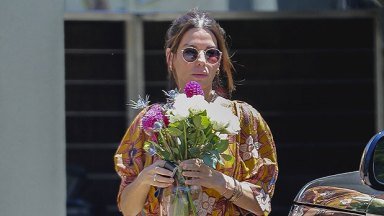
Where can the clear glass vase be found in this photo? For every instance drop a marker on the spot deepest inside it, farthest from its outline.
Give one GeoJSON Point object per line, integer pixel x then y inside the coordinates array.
{"type": "Point", "coordinates": [179, 199]}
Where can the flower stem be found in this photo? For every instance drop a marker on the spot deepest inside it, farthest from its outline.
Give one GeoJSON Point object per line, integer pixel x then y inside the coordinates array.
{"type": "Point", "coordinates": [197, 135]}
{"type": "Point", "coordinates": [166, 144]}
{"type": "Point", "coordinates": [181, 183]}
{"type": "Point", "coordinates": [185, 141]}
{"type": "Point", "coordinates": [191, 202]}
{"type": "Point", "coordinates": [210, 134]}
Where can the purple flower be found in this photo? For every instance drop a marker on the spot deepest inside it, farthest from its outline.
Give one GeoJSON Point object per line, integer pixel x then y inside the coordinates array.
{"type": "Point", "coordinates": [153, 115]}
{"type": "Point", "coordinates": [193, 88]}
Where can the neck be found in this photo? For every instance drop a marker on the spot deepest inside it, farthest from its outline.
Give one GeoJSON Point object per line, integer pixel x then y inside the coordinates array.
{"type": "Point", "coordinates": [210, 96]}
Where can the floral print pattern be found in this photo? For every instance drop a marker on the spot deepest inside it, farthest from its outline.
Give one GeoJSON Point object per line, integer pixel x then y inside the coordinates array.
{"type": "Point", "coordinates": [264, 201]}
{"type": "Point", "coordinates": [204, 204]}
{"type": "Point", "coordinates": [249, 149]}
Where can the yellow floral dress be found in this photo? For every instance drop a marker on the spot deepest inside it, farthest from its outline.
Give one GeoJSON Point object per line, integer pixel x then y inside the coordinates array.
{"type": "Point", "coordinates": [255, 163]}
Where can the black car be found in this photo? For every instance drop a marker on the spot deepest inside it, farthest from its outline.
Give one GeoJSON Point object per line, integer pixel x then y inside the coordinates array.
{"type": "Point", "coordinates": [354, 193]}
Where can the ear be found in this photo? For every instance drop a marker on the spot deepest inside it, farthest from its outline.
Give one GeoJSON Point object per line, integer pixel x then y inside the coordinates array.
{"type": "Point", "coordinates": [169, 56]}
{"type": "Point", "coordinates": [218, 68]}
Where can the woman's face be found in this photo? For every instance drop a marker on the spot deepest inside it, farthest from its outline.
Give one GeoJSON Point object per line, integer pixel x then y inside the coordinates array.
{"type": "Point", "coordinates": [200, 70]}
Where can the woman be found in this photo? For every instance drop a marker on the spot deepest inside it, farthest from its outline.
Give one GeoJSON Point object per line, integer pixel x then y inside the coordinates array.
{"type": "Point", "coordinates": [196, 50]}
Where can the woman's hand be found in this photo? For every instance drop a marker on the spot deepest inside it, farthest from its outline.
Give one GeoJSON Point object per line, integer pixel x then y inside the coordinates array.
{"type": "Point", "coordinates": [203, 175]}
{"type": "Point", "coordinates": [156, 175]}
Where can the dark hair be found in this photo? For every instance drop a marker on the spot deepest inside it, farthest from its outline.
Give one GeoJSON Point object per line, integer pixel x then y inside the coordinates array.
{"type": "Point", "coordinates": [200, 19]}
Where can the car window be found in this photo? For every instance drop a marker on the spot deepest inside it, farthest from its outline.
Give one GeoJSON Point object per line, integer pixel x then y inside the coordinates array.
{"type": "Point", "coordinates": [379, 161]}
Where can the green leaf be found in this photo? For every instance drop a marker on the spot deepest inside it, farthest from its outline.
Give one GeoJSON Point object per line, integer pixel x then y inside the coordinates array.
{"type": "Point", "coordinates": [215, 153]}
{"type": "Point", "coordinates": [228, 158]}
{"type": "Point", "coordinates": [222, 146]}
{"type": "Point", "coordinates": [197, 121]}
{"type": "Point", "coordinates": [209, 133]}
{"type": "Point", "coordinates": [201, 138]}
{"type": "Point", "coordinates": [205, 122]}
{"type": "Point", "coordinates": [147, 145]}
{"type": "Point", "coordinates": [175, 150]}
{"type": "Point", "coordinates": [195, 151]}
{"type": "Point", "coordinates": [174, 124]}
{"type": "Point", "coordinates": [174, 131]}
{"type": "Point", "coordinates": [166, 155]}
{"type": "Point", "coordinates": [215, 139]}
{"type": "Point", "coordinates": [210, 160]}
{"type": "Point", "coordinates": [190, 139]}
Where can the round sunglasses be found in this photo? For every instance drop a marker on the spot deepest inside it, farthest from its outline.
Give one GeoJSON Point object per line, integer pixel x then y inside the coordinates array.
{"type": "Point", "coordinates": [212, 55]}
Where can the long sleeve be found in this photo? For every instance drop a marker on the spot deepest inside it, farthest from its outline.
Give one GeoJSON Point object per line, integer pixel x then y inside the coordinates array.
{"type": "Point", "coordinates": [130, 159]}
{"type": "Point", "coordinates": [129, 155]}
{"type": "Point", "coordinates": [257, 152]}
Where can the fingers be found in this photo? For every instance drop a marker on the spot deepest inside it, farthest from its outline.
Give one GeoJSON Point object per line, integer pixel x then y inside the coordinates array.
{"type": "Point", "coordinates": [162, 177]}
{"type": "Point", "coordinates": [198, 178]}
{"type": "Point", "coordinates": [192, 174]}
{"type": "Point", "coordinates": [193, 165]}
{"type": "Point", "coordinates": [158, 168]}
{"type": "Point", "coordinates": [162, 181]}
{"type": "Point", "coordinates": [198, 173]}
{"type": "Point", "coordinates": [158, 176]}
{"type": "Point", "coordinates": [159, 163]}
{"type": "Point", "coordinates": [161, 184]}
{"type": "Point", "coordinates": [208, 179]}
{"type": "Point", "coordinates": [194, 182]}
{"type": "Point", "coordinates": [163, 171]}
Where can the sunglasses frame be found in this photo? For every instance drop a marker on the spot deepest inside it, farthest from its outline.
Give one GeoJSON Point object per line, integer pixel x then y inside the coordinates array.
{"type": "Point", "coordinates": [205, 54]}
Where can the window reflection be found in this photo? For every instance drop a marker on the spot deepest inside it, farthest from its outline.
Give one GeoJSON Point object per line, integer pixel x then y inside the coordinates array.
{"type": "Point", "coordinates": [378, 159]}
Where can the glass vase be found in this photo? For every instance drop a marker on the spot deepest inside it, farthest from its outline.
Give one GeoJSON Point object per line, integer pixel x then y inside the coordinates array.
{"type": "Point", "coordinates": [179, 199]}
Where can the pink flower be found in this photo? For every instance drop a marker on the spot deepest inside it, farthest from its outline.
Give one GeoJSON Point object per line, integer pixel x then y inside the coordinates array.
{"type": "Point", "coordinates": [166, 121]}
{"type": "Point", "coordinates": [153, 115]}
{"type": "Point", "coordinates": [193, 88]}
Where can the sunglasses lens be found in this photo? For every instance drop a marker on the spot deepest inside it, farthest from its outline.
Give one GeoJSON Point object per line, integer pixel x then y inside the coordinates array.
{"type": "Point", "coordinates": [212, 55]}
{"type": "Point", "coordinates": [190, 54]}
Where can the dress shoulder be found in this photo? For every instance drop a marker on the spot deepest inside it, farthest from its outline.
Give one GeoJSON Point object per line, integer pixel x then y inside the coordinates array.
{"type": "Point", "coordinates": [246, 106]}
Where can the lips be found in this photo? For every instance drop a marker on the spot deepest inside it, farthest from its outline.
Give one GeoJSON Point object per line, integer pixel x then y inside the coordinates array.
{"type": "Point", "coordinates": [200, 75]}
{"type": "Point", "coordinates": [200, 72]}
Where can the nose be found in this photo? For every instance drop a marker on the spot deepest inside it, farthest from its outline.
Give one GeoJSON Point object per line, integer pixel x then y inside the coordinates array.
{"type": "Point", "coordinates": [201, 56]}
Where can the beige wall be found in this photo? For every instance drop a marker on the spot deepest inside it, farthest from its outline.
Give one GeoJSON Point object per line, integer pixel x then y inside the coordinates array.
{"type": "Point", "coordinates": [32, 127]}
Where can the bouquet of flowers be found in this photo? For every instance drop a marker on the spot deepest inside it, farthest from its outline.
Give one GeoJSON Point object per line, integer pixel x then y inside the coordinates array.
{"type": "Point", "coordinates": [187, 127]}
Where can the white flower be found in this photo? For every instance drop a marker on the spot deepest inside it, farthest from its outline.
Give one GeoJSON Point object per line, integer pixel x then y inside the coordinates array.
{"type": "Point", "coordinates": [222, 118]}
{"type": "Point", "coordinates": [197, 104]}
{"type": "Point", "coordinates": [185, 107]}
{"type": "Point", "coordinates": [234, 124]}
{"type": "Point", "coordinates": [180, 109]}
{"type": "Point", "coordinates": [222, 136]}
